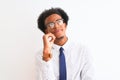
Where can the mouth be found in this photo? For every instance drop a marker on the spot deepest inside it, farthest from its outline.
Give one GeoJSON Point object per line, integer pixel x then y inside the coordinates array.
{"type": "Point", "coordinates": [57, 31]}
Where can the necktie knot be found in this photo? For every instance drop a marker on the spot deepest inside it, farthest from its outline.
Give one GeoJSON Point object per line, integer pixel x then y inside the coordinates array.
{"type": "Point", "coordinates": [61, 51]}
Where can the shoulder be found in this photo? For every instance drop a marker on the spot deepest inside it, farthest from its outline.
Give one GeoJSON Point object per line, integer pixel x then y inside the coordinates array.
{"type": "Point", "coordinates": [80, 47]}
{"type": "Point", "coordinates": [77, 45]}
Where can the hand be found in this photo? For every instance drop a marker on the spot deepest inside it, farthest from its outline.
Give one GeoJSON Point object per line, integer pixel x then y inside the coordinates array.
{"type": "Point", "coordinates": [48, 40]}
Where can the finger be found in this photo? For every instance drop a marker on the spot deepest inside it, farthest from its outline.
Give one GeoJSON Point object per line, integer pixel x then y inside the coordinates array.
{"type": "Point", "coordinates": [51, 37]}
{"type": "Point", "coordinates": [46, 36]}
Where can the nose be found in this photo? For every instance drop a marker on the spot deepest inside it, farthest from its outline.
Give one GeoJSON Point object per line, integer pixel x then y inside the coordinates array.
{"type": "Point", "coordinates": [56, 25]}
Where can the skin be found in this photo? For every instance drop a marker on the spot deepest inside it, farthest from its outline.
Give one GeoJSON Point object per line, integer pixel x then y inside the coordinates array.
{"type": "Point", "coordinates": [58, 34]}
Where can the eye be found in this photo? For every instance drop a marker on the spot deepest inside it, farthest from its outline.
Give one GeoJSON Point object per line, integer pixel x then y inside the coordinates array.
{"type": "Point", "coordinates": [51, 25]}
{"type": "Point", "coordinates": [60, 22]}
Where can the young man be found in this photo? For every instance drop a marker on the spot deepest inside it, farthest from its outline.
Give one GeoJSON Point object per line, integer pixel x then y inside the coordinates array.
{"type": "Point", "coordinates": [60, 59]}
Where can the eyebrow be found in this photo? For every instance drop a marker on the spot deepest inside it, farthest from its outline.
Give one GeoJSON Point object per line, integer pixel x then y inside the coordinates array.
{"type": "Point", "coordinates": [54, 21]}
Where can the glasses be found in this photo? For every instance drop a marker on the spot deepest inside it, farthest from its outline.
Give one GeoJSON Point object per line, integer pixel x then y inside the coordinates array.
{"type": "Point", "coordinates": [52, 24]}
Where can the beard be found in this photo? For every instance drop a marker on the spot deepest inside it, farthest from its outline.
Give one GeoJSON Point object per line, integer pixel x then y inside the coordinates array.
{"type": "Point", "coordinates": [60, 38]}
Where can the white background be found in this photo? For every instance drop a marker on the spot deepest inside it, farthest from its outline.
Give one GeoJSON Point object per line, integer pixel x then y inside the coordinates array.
{"type": "Point", "coordinates": [95, 23]}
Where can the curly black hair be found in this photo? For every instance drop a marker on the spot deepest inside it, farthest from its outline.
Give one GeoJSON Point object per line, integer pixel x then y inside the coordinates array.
{"type": "Point", "coordinates": [46, 13]}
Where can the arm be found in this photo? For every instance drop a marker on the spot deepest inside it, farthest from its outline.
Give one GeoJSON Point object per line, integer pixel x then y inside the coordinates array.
{"type": "Point", "coordinates": [43, 61]}
{"type": "Point", "coordinates": [88, 67]}
{"type": "Point", "coordinates": [44, 69]}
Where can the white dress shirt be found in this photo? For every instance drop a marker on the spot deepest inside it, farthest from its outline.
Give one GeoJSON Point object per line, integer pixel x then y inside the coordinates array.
{"type": "Point", "coordinates": [78, 63]}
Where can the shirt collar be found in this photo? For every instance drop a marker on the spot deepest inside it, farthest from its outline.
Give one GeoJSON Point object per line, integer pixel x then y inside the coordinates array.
{"type": "Point", "coordinates": [57, 47]}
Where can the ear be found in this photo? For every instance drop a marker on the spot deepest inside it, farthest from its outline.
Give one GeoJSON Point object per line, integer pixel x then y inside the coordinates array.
{"type": "Point", "coordinates": [65, 25]}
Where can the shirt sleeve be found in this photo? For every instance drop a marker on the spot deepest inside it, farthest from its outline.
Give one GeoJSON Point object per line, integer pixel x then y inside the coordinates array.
{"type": "Point", "coordinates": [88, 66]}
{"type": "Point", "coordinates": [44, 69]}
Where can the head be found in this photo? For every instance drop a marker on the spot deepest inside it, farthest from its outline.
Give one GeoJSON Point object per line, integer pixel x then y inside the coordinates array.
{"type": "Point", "coordinates": [46, 17]}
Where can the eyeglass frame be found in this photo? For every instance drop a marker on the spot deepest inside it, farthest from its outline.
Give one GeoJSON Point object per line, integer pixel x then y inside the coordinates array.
{"type": "Point", "coordinates": [57, 21]}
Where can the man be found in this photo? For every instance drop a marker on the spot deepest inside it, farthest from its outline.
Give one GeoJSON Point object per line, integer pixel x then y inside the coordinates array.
{"type": "Point", "coordinates": [75, 63]}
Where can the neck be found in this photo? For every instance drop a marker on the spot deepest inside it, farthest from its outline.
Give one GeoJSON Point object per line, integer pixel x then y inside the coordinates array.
{"type": "Point", "coordinates": [61, 41]}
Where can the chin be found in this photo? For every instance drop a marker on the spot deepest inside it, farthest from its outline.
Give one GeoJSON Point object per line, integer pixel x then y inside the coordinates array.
{"type": "Point", "coordinates": [59, 37]}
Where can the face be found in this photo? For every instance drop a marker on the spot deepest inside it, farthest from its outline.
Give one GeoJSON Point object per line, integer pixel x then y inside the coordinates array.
{"type": "Point", "coordinates": [55, 25]}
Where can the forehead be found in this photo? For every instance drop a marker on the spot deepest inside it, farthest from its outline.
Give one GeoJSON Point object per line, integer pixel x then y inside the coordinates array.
{"type": "Point", "coordinates": [52, 18]}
